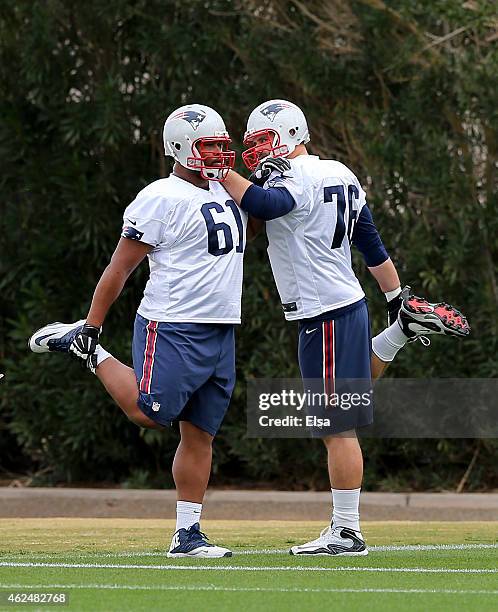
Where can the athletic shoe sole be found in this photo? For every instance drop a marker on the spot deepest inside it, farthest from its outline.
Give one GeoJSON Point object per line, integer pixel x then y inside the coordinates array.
{"type": "Point", "coordinates": [321, 553]}
{"type": "Point", "coordinates": [199, 555]}
{"type": "Point", "coordinates": [441, 316]}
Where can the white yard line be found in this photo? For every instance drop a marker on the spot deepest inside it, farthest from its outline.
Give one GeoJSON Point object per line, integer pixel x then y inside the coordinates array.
{"type": "Point", "coordinates": [415, 547]}
{"type": "Point", "coordinates": [242, 568]}
{"type": "Point", "coordinates": [260, 551]}
{"type": "Point", "coordinates": [130, 587]}
{"type": "Point", "coordinates": [400, 548]}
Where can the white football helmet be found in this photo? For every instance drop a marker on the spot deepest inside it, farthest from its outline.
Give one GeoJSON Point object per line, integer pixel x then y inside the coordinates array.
{"type": "Point", "coordinates": [187, 131]}
{"type": "Point", "coordinates": [283, 125]}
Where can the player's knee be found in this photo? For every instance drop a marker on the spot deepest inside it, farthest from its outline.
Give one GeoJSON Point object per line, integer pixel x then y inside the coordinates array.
{"type": "Point", "coordinates": [344, 438]}
{"type": "Point", "coordinates": [193, 436]}
{"type": "Point", "coordinates": [203, 441]}
{"type": "Point", "coordinates": [135, 419]}
{"type": "Point", "coordinates": [138, 418]}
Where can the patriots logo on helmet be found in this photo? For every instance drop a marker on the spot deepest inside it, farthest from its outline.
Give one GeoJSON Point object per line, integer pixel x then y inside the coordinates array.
{"type": "Point", "coordinates": [271, 110]}
{"type": "Point", "coordinates": [195, 118]}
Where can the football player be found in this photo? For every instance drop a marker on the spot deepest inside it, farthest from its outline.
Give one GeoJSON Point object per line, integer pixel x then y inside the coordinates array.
{"type": "Point", "coordinates": [314, 210]}
{"type": "Point", "coordinates": [194, 236]}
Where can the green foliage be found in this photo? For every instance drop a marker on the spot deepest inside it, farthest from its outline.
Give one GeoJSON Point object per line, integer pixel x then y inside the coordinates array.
{"type": "Point", "coordinates": [405, 93]}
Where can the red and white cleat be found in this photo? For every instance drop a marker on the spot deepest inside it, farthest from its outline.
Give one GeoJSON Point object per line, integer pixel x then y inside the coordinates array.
{"type": "Point", "coordinates": [418, 317]}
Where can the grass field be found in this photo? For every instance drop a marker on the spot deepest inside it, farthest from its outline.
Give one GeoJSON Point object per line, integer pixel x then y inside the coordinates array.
{"type": "Point", "coordinates": [119, 564]}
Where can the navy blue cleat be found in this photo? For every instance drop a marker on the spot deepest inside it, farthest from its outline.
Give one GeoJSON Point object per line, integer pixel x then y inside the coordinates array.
{"type": "Point", "coordinates": [55, 337]}
{"type": "Point", "coordinates": [192, 542]}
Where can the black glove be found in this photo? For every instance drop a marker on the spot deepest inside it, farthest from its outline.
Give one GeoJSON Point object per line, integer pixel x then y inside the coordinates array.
{"type": "Point", "coordinates": [266, 166]}
{"type": "Point", "coordinates": [393, 307]}
{"type": "Point", "coordinates": [85, 342]}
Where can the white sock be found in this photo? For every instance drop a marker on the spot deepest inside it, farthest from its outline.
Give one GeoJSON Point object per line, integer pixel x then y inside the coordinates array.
{"type": "Point", "coordinates": [102, 354]}
{"type": "Point", "coordinates": [187, 514]}
{"type": "Point", "coordinates": [346, 508]}
{"type": "Point", "coordinates": [386, 344]}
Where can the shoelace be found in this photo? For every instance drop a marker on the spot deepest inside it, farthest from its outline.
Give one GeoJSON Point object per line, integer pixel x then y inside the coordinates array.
{"type": "Point", "coordinates": [57, 342]}
{"type": "Point", "coordinates": [423, 339]}
{"type": "Point", "coordinates": [60, 343]}
{"type": "Point", "coordinates": [197, 534]}
{"type": "Point", "coordinates": [323, 533]}
{"type": "Point", "coordinates": [330, 529]}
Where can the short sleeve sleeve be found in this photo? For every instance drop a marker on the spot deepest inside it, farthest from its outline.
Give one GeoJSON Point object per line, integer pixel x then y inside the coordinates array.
{"type": "Point", "coordinates": [293, 184]}
{"type": "Point", "coordinates": [145, 220]}
{"type": "Point", "coordinates": [356, 193]}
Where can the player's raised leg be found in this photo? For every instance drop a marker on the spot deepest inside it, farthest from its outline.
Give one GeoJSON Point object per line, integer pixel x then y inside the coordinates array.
{"type": "Point", "coordinates": [121, 384]}
{"type": "Point", "coordinates": [118, 379]}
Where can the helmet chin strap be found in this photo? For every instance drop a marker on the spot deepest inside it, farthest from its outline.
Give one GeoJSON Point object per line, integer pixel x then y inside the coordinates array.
{"type": "Point", "coordinates": [212, 165]}
{"type": "Point", "coordinates": [281, 150]}
{"type": "Point", "coordinates": [214, 174]}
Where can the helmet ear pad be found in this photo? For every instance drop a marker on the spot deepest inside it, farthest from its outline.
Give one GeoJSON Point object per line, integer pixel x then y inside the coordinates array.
{"type": "Point", "coordinates": [172, 149]}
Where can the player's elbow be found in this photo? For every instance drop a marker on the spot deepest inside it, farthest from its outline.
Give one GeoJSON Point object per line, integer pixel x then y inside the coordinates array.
{"type": "Point", "coordinates": [376, 257]}
{"type": "Point", "coordinates": [120, 267]}
{"type": "Point", "coordinates": [254, 227]}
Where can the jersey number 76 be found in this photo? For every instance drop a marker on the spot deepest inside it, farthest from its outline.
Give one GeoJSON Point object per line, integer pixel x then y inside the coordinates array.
{"type": "Point", "coordinates": [340, 227]}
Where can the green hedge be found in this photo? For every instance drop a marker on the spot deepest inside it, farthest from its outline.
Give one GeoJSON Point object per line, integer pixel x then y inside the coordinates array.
{"type": "Point", "coordinates": [405, 93]}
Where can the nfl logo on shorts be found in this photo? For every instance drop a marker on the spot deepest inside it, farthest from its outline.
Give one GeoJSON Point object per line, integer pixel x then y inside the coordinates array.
{"type": "Point", "coordinates": [156, 406]}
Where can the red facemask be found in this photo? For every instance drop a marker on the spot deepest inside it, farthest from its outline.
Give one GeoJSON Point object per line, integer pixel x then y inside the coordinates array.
{"type": "Point", "coordinates": [206, 159]}
{"type": "Point", "coordinates": [270, 146]}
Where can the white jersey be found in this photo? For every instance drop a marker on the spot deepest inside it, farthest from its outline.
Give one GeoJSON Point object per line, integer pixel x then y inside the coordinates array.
{"type": "Point", "coordinates": [196, 265]}
{"type": "Point", "coordinates": [309, 248]}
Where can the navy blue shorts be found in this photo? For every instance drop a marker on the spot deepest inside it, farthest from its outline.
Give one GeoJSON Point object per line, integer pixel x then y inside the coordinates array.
{"type": "Point", "coordinates": [185, 371]}
{"type": "Point", "coordinates": [334, 358]}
